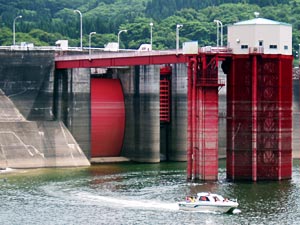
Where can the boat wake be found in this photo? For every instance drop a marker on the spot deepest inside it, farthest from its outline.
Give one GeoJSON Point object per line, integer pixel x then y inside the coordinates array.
{"type": "Point", "coordinates": [6, 170]}
{"type": "Point", "coordinates": [128, 203]}
{"type": "Point", "coordinates": [236, 211]}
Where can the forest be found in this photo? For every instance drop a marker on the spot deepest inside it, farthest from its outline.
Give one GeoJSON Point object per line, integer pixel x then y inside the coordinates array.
{"type": "Point", "coordinates": [44, 22]}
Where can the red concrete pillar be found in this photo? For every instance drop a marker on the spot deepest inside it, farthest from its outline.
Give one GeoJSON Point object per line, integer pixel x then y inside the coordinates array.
{"type": "Point", "coordinates": [203, 118]}
{"type": "Point", "coordinates": [239, 122]}
{"type": "Point", "coordinates": [189, 125]}
{"type": "Point", "coordinates": [254, 117]}
{"type": "Point", "coordinates": [192, 133]}
{"type": "Point", "coordinates": [207, 160]}
{"type": "Point", "coordinates": [259, 126]}
{"type": "Point", "coordinates": [285, 113]}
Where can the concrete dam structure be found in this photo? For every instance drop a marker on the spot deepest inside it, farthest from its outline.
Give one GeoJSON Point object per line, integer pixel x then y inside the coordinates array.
{"type": "Point", "coordinates": [160, 105]}
{"type": "Point", "coordinates": [115, 111]}
{"type": "Point", "coordinates": [140, 112]}
{"type": "Point", "coordinates": [47, 115]}
{"type": "Point", "coordinates": [30, 137]}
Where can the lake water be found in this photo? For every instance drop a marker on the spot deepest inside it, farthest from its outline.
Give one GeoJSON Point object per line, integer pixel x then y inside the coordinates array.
{"type": "Point", "coordinates": [130, 193]}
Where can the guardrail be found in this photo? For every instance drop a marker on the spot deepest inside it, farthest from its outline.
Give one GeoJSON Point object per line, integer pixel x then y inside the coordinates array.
{"type": "Point", "coordinates": [211, 82]}
{"type": "Point", "coordinates": [210, 49]}
{"type": "Point", "coordinates": [55, 48]}
{"type": "Point", "coordinates": [120, 54]}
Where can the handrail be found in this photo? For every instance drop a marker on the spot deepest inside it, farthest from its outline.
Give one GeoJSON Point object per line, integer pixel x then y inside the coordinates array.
{"type": "Point", "coordinates": [210, 81]}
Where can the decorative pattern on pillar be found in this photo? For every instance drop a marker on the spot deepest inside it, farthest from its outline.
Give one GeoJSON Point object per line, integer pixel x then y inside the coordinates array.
{"type": "Point", "coordinates": [259, 124]}
{"type": "Point", "coordinates": [203, 84]}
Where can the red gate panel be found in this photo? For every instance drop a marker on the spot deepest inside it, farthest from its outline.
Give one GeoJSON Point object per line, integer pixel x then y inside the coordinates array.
{"type": "Point", "coordinates": [107, 117]}
{"type": "Point", "coordinates": [165, 94]}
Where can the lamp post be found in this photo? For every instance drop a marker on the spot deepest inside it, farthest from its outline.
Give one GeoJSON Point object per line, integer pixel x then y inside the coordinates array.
{"type": "Point", "coordinates": [90, 37]}
{"type": "Point", "coordinates": [219, 25]}
{"type": "Point", "coordinates": [14, 29]}
{"type": "Point", "coordinates": [119, 37]}
{"type": "Point", "coordinates": [178, 26]}
{"type": "Point", "coordinates": [80, 14]}
{"type": "Point", "coordinates": [151, 40]}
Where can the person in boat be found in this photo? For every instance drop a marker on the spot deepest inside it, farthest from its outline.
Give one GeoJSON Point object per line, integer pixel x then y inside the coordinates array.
{"type": "Point", "coordinates": [216, 199]}
{"type": "Point", "coordinates": [188, 198]}
{"type": "Point", "coordinates": [204, 198]}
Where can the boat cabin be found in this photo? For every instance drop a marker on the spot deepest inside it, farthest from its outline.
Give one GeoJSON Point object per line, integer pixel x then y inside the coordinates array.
{"type": "Point", "coordinates": [209, 197]}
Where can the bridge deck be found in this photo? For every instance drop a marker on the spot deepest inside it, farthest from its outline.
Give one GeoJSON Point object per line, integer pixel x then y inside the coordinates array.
{"type": "Point", "coordinates": [105, 59]}
{"type": "Point", "coordinates": [127, 58]}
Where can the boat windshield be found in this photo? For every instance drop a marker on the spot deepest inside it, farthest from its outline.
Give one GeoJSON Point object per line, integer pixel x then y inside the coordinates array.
{"type": "Point", "coordinates": [204, 198]}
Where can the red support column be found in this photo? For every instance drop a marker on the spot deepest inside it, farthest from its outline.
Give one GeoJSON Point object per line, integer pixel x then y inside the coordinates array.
{"type": "Point", "coordinates": [190, 115]}
{"type": "Point", "coordinates": [195, 124]}
{"type": "Point", "coordinates": [259, 117]}
{"type": "Point", "coordinates": [285, 113]}
{"type": "Point", "coordinates": [239, 118]}
{"type": "Point", "coordinates": [203, 118]}
{"type": "Point", "coordinates": [254, 117]}
{"type": "Point", "coordinates": [230, 124]}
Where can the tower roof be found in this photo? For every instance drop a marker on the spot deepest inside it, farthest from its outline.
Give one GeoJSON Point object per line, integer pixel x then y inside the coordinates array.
{"type": "Point", "coordinates": [261, 21]}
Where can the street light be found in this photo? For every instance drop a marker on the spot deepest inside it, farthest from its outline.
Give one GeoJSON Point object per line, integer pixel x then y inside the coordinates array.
{"type": "Point", "coordinates": [178, 26]}
{"type": "Point", "coordinates": [151, 27]}
{"type": "Point", "coordinates": [80, 14]}
{"type": "Point", "coordinates": [119, 37]}
{"type": "Point", "coordinates": [14, 29]}
{"type": "Point", "coordinates": [219, 25]}
{"type": "Point", "coordinates": [90, 37]}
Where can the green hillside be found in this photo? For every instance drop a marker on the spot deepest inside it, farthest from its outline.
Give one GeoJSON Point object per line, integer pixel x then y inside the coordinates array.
{"type": "Point", "coordinates": [45, 21]}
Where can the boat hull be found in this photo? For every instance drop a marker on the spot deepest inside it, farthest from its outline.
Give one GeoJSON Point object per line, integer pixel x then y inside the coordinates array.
{"type": "Point", "coordinates": [207, 207]}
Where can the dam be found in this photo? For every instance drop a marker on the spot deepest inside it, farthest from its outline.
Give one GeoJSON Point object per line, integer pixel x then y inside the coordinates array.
{"type": "Point", "coordinates": [48, 111]}
{"type": "Point", "coordinates": [58, 103]}
{"type": "Point", "coordinates": [160, 106]}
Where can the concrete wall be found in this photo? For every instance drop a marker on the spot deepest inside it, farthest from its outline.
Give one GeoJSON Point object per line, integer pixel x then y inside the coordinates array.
{"type": "Point", "coordinates": [71, 104]}
{"type": "Point", "coordinates": [146, 139]}
{"type": "Point", "coordinates": [141, 90]}
{"type": "Point", "coordinates": [177, 136]}
{"type": "Point", "coordinates": [30, 134]}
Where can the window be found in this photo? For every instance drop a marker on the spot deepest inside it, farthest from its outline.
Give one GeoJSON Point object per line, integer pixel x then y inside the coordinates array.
{"type": "Point", "coordinates": [286, 47]}
{"type": "Point", "coordinates": [244, 46]}
{"type": "Point", "coordinates": [273, 46]}
{"type": "Point", "coordinates": [204, 198]}
{"type": "Point", "coordinates": [260, 43]}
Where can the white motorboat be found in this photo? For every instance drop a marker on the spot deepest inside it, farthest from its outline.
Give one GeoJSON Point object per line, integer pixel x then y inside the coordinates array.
{"type": "Point", "coordinates": [208, 202]}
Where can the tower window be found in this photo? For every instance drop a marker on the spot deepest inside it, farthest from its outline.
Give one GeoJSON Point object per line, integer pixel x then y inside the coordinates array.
{"type": "Point", "coordinates": [273, 46]}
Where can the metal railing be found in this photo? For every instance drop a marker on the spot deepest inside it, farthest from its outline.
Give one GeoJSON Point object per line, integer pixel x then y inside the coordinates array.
{"type": "Point", "coordinates": [210, 82]}
{"type": "Point", "coordinates": [210, 49]}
